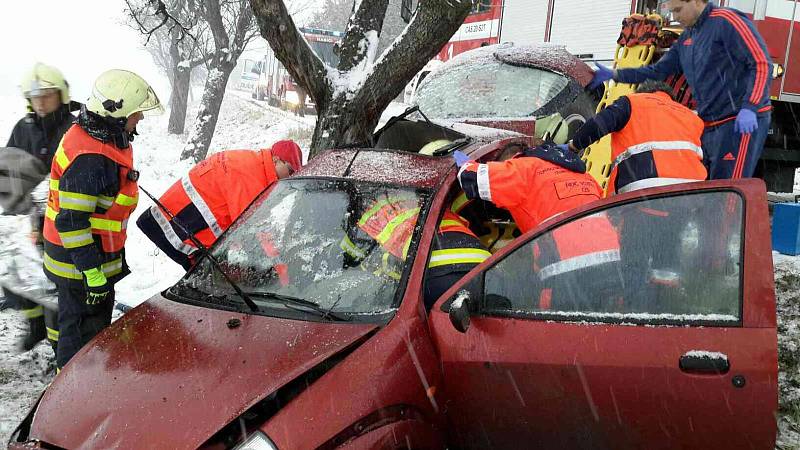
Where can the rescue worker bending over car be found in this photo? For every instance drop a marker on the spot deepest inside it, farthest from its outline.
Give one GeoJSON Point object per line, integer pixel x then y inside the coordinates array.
{"type": "Point", "coordinates": [655, 141]}
{"type": "Point", "coordinates": [93, 192]}
{"type": "Point", "coordinates": [541, 183]}
{"type": "Point", "coordinates": [38, 133]}
{"type": "Point", "coordinates": [212, 195]}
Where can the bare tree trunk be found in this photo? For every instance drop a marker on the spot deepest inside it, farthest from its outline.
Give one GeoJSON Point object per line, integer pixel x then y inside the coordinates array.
{"type": "Point", "coordinates": [179, 100]}
{"type": "Point", "coordinates": [206, 122]}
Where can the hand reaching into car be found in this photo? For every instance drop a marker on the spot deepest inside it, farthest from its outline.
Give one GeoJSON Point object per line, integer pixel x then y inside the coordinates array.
{"type": "Point", "coordinates": [601, 75]}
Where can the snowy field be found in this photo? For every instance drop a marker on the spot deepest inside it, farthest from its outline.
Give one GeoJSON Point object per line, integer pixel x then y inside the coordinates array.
{"type": "Point", "coordinates": [245, 123]}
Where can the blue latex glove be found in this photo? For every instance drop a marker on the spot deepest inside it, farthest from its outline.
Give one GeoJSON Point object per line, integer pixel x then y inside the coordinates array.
{"type": "Point", "coordinates": [601, 75]}
{"type": "Point", "coordinates": [460, 157]}
{"type": "Point", "coordinates": [564, 148]}
{"type": "Point", "coordinates": [746, 122]}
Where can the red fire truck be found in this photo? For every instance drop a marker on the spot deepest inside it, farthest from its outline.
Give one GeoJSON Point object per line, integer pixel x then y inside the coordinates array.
{"type": "Point", "coordinates": [589, 29]}
{"type": "Point", "coordinates": [276, 85]}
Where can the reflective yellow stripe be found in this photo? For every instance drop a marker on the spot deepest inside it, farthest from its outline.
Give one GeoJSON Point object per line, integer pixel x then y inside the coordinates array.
{"type": "Point", "coordinates": [450, 223]}
{"type": "Point", "coordinates": [105, 202]}
{"type": "Point", "coordinates": [351, 249]}
{"type": "Point", "coordinates": [61, 157]}
{"type": "Point", "coordinates": [96, 222]}
{"type": "Point", "coordinates": [389, 229]}
{"type": "Point", "coordinates": [66, 270]}
{"type": "Point", "coordinates": [125, 200]}
{"type": "Point", "coordinates": [384, 270]}
{"type": "Point", "coordinates": [377, 207]}
{"type": "Point", "coordinates": [77, 238]}
{"type": "Point", "coordinates": [33, 313]}
{"type": "Point", "coordinates": [53, 185]}
{"type": "Point", "coordinates": [52, 334]}
{"type": "Point", "coordinates": [76, 201]}
{"type": "Point", "coordinates": [453, 256]}
{"type": "Point", "coordinates": [459, 203]}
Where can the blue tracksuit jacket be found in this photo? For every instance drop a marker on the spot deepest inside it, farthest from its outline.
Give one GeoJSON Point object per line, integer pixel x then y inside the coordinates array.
{"type": "Point", "coordinates": [725, 60]}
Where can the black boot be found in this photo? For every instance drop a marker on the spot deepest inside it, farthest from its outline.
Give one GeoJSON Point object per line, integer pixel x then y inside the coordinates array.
{"type": "Point", "coordinates": [36, 332]}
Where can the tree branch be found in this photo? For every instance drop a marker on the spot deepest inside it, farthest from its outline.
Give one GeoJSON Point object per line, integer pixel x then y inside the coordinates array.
{"type": "Point", "coordinates": [368, 17]}
{"type": "Point", "coordinates": [291, 49]}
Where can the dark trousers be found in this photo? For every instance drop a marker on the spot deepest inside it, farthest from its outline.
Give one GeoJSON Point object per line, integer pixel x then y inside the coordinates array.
{"type": "Point", "coordinates": [42, 322]}
{"type": "Point", "coordinates": [147, 223]}
{"type": "Point", "coordinates": [728, 154]}
{"type": "Point", "coordinates": [77, 322]}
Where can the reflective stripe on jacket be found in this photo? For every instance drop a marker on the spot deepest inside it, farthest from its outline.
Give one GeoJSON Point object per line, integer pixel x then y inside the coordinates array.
{"type": "Point", "coordinates": [660, 140]}
{"type": "Point", "coordinates": [212, 196]}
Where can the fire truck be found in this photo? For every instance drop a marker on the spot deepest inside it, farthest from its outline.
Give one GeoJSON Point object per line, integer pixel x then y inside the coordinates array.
{"type": "Point", "coordinates": [589, 29]}
{"type": "Point", "coordinates": [274, 83]}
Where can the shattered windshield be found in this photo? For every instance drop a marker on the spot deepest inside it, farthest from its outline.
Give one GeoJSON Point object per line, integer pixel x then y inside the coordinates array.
{"type": "Point", "coordinates": [493, 89]}
{"type": "Point", "coordinates": [341, 245]}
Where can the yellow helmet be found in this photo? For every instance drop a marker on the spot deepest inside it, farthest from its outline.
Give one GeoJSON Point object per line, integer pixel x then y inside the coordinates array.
{"type": "Point", "coordinates": [42, 78]}
{"type": "Point", "coordinates": [430, 148]}
{"type": "Point", "coordinates": [120, 93]}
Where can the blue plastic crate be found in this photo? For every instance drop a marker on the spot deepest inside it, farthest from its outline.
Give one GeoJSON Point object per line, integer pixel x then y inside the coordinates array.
{"type": "Point", "coordinates": [786, 228]}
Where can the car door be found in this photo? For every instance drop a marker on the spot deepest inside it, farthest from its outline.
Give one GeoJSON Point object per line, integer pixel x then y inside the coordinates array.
{"type": "Point", "coordinates": [670, 345]}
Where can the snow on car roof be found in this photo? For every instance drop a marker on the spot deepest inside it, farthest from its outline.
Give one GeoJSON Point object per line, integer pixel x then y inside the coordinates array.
{"type": "Point", "coordinates": [381, 166]}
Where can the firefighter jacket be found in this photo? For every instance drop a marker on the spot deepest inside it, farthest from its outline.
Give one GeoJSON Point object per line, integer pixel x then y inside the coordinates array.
{"type": "Point", "coordinates": [654, 142]}
{"type": "Point", "coordinates": [212, 195]}
{"type": "Point", "coordinates": [40, 136]}
{"type": "Point", "coordinates": [725, 61]}
{"type": "Point", "coordinates": [390, 224]}
{"type": "Point", "coordinates": [93, 192]}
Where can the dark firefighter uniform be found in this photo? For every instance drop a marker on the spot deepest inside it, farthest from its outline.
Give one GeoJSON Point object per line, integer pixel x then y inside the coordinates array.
{"type": "Point", "coordinates": [39, 136]}
{"type": "Point", "coordinates": [211, 197]}
{"type": "Point", "coordinates": [534, 186]}
{"type": "Point", "coordinates": [93, 192]}
{"type": "Point", "coordinates": [655, 141]}
{"type": "Point", "coordinates": [390, 223]}
{"type": "Point", "coordinates": [727, 64]}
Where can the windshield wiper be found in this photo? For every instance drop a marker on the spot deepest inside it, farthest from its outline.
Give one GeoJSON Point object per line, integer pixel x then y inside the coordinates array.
{"type": "Point", "coordinates": [290, 301]}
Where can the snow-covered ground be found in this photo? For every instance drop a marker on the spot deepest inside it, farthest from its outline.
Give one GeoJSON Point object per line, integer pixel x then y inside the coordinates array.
{"type": "Point", "coordinates": [245, 123]}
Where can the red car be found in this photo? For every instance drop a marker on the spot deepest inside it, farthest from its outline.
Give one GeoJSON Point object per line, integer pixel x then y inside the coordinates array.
{"type": "Point", "coordinates": [339, 355]}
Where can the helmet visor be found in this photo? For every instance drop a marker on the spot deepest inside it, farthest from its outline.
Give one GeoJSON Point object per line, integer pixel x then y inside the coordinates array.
{"type": "Point", "coordinates": [151, 106]}
{"type": "Point", "coordinates": [39, 88]}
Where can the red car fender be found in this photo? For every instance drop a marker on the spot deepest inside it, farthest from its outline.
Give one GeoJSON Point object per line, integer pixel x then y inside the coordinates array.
{"type": "Point", "coordinates": [406, 434]}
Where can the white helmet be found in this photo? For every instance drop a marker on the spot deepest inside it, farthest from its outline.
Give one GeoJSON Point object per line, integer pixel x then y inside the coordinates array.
{"type": "Point", "coordinates": [430, 148]}
{"type": "Point", "coordinates": [42, 78]}
{"type": "Point", "coordinates": [119, 94]}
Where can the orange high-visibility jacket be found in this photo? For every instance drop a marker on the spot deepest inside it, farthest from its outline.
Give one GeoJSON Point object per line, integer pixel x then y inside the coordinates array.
{"type": "Point", "coordinates": [659, 145]}
{"type": "Point", "coordinates": [213, 194]}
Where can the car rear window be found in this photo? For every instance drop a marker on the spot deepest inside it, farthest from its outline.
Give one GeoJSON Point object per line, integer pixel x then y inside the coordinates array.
{"type": "Point", "coordinates": [494, 89]}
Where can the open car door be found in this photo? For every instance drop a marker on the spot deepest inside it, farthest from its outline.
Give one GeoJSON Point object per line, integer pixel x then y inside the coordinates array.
{"type": "Point", "coordinates": [670, 343]}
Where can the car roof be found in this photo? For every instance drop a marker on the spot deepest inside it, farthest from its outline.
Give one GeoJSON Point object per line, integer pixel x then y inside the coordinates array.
{"type": "Point", "coordinates": [395, 167]}
{"type": "Point", "coordinates": [546, 56]}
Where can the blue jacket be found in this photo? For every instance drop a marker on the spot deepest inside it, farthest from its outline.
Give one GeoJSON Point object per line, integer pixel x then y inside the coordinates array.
{"type": "Point", "coordinates": [725, 60]}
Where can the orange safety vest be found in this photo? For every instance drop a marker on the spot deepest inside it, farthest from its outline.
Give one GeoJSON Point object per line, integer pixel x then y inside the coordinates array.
{"type": "Point", "coordinates": [111, 225]}
{"type": "Point", "coordinates": [660, 134]}
{"type": "Point", "coordinates": [220, 188]}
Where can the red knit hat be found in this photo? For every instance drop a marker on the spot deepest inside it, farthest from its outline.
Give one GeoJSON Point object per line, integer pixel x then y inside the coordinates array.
{"type": "Point", "coordinates": [288, 152]}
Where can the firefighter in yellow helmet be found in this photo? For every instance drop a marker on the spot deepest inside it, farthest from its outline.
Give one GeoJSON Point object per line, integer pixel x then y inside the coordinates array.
{"type": "Point", "coordinates": [93, 192]}
{"type": "Point", "coordinates": [38, 134]}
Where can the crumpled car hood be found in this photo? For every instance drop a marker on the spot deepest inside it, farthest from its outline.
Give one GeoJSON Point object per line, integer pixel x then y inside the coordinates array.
{"type": "Point", "coordinates": [169, 375]}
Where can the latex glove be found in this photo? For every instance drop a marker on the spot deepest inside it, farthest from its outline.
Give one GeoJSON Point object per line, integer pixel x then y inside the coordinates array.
{"type": "Point", "coordinates": [460, 157]}
{"type": "Point", "coordinates": [97, 288]}
{"type": "Point", "coordinates": [564, 148]}
{"type": "Point", "coordinates": [601, 75]}
{"type": "Point", "coordinates": [746, 122]}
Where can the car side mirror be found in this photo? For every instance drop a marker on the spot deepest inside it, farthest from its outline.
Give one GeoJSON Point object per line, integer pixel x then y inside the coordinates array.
{"type": "Point", "coordinates": [460, 311]}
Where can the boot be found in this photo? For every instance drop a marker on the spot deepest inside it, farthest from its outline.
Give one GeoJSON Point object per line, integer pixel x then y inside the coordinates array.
{"type": "Point", "coordinates": [36, 332]}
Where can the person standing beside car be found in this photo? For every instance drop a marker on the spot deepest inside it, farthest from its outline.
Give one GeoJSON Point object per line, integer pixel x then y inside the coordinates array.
{"type": "Point", "coordinates": [212, 196]}
{"type": "Point", "coordinates": [728, 67]}
{"type": "Point", "coordinates": [655, 141]}
{"type": "Point", "coordinates": [93, 191]}
{"type": "Point", "coordinates": [39, 133]}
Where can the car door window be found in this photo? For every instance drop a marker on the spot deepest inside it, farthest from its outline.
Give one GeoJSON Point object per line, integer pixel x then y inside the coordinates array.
{"type": "Point", "coordinates": [666, 260]}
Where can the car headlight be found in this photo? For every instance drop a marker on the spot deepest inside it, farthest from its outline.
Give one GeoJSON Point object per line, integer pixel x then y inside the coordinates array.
{"type": "Point", "coordinates": [256, 441]}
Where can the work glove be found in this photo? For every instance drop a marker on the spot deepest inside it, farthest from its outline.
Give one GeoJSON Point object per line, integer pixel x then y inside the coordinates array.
{"type": "Point", "coordinates": [97, 288]}
{"type": "Point", "coordinates": [460, 157]}
{"type": "Point", "coordinates": [601, 75]}
{"type": "Point", "coordinates": [563, 148]}
{"type": "Point", "coordinates": [746, 122]}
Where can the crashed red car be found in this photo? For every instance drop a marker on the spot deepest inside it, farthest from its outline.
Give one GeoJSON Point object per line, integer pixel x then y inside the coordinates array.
{"type": "Point", "coordinates": [341, 357]}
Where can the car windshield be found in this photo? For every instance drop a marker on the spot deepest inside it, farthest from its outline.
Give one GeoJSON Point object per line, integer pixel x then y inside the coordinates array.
{"type": "Point", "coordinates": [308, 240]}
{"type": "Point", "coordinates": [494, 89]}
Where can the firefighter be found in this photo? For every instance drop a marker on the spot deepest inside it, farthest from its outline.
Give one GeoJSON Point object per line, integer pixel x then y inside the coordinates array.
{"type": "Point", "coordinates": [389, 223]}
{"type": "Point", "coordinates": [538, 184]}
{"type": "Point", "coordinates": [38, 133]}
{"type": "Point", "coordinates": [93, 192]}
{"type": "Point", "coordinates": [728, 67]}
{"type": "Point", "coordinates": [655, 141]}
{"type": "Point", "coordinates": [212, 195]}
